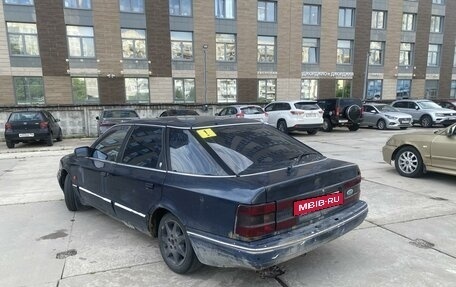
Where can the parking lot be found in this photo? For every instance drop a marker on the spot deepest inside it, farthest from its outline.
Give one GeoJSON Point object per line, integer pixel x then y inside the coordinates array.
{"type": "Point", "coordinates": [408, 239]}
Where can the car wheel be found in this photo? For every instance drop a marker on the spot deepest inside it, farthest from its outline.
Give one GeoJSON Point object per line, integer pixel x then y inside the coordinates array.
{"type": "Point", "coordinates": [353, 113]}
{"type": "Point", "coordinates": [175, 246]}
{"type": "Point", "coordinates": [282, 126]}
{"type": "Point", "coordinates": [353, 127]}
{"type": "Point", "coordinates": [426, 121]}
{"type": "Point", "coordinates": [408, 162]}
{"type": "Point", "coordinates": [327, 125]}
{"type": "Point", "coordinates": [71, 199]}
{"type": "Point", "coordinates": [312, 132]}
{"type": "Point", "coordinates": [9, 144]}
{"type": "Point", "coordinates": [381, 125]}
{"type": "Point", "coordinates": [50, 140]}
{"type": "Point", "coordinates": [60, 136]}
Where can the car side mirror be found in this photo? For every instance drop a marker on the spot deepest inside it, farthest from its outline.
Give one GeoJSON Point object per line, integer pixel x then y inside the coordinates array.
{"type": "Point", "coordinates": [451, 131]}
{"type": "Point", "coordinates": [83, 151]}
{"type": "Point", "coordinates": [97, 118]}
{"type": "Point", "coordinates": [417, 108]}
{"type": "Point", "coordinates": [57, 120]}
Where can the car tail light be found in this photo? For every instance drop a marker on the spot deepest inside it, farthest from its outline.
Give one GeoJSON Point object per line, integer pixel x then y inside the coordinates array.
{"type": "Point", "coordinates": [254, 221]}
{"type": "Point", "coordinates": [44, 125]}
{"type": "Point", "coordinates": [297, 113]}
{"type": "Point", "coordinates": [337, 111]}
{"type": "Point", "coordinates": [8, 127]}
{"type": "Point", "coordinates": [240, 115]}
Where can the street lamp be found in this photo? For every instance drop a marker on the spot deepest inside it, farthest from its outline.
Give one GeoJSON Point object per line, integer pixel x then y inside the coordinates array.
{"type": "Point", "coordinates": [205, 75]}
{"type": "Point", "coordinates": [366, 71]}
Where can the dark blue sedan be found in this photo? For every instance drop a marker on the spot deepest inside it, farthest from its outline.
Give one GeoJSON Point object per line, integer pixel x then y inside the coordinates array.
{"type": "Point", "coordinates": [222, 192]}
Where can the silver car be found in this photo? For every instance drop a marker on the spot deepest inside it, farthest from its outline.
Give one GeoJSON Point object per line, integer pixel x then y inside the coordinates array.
{"type": "Point", "coordinates": [426, 112]}
{"type": "Point", "coordinates": [384, 116]}
{"type": "Point", "coordinates": [244, 111]}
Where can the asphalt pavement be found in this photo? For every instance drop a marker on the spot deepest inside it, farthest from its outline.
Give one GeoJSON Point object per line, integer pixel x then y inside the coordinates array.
{"type": "Point", "coordinates": [408, 238]}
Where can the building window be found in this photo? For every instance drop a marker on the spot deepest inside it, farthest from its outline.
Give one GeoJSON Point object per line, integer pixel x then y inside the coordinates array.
{"type": "Point", "coordinates": [266, 49]}
{"type": "Point", "coordinates": [436, 24]}
{"type": "Point", "coordinates": [19, 2]}
{"type": "Point", "coordinates": [403, 89]}
{"type": "Point", "coordinates": [267, 11]}
{"type": "Point", "coordinates": [137, 90]}
{"type": "Point", "coordinates": [267, 90]}
{"type": "Point", "coordinates": [311, 15]}
{"type": "Point", "coordinates": [133, 44]}
{"type": "Point", "coordinates": [406, 54]}
{"type": "Point", "coordinates": [454, 57]}
{"type": "Point", "coordinates": [78, 4]}
{"type": "Point", "coordinates": [81, 42]}
{"type": "Point", "coordinates": [378, 20]}
{"type": "Point", "coordinates": [453, 90]}
{"type": "Point", "coordinates": [376, 53]}
{"type": "Point", "coordinates": [23, 39]}
{"type": "Point", "coordinates": [132, 6]}
{"type": "Point", "coordinates": [374, 90]}
{"type": "Point", "coordinates": [343, 88]}
{"type": "Point", "coordinates": [433, 55]}
{"type": "Point", "coordinates": [226, 90]}
{"type": "Point", "coordinates": [182, 46]}
{"type": "Point", "coordinates": [184, 91]}
{"type": "Point", "coordinates": [85, 90]}
{"type": "Point", "coordinates": [440, 2]}
{"type": "Point", "coordinates": [346, 17]}
{"type": "Point", "coordinates": [432, 89]}
{"type": "Point", "coordinates": [225, 47]}
{"type": "Point", "coordinates": [310, 50]}
{"type": "Point", "coordinates": [309, 89]}
{"type": "Point", "coordinates": [344, 51]}
{"type": "Point", "coordinates": [224, 9]}
{"type": "Point", "coordinates": [29, 90]}
{"type": "Point", "coordinates": [408, 22]}
{"type": "Point", "coordinates": [180, 8]}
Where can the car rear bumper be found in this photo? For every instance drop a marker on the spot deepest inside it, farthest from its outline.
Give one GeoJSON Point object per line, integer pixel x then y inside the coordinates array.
{"type": "Point", "coordinates": [21, 136]}
{"type": "Point", "coordinates": [305, 127]}
{"type": "Point", "coordinates": [222, 252]}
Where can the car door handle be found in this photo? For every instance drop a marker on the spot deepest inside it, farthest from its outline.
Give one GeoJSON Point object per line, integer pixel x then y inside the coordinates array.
{"type": "Point", "coordinates": [150, 186]}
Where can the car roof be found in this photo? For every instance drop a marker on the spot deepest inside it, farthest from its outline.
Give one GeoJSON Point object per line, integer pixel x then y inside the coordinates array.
{"type": "Point", "coordinates": [193, 121]}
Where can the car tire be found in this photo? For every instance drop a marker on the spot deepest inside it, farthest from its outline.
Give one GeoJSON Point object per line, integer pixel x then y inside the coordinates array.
{"type": "Point", "coordinates": [353, 113]}
{"type": "Point", "coordinates": [327, 125]}
{"type": "Point", "coordinates": [50, 140]}
{"type": "Point", "coordinates": [60, 136]}
{"type": "Point", "coordinates": [72, 201]}
{"type": "Point", "coordinates": [282, 126]}
{"type": "Point", "coordinates": [353, 127]}
{"type": "Point", "coordinates": [381, 124]}
{"type": "Point", "coordinates": [408, 162]}
{"type": "Point", "coordinates": [312, 132]}
{"type": "Point", "coordinates": [9, 144]}
{"type": "Point", "coordinates": [175, 246]}
{"type": "Point", "coordinates": [426, 121]}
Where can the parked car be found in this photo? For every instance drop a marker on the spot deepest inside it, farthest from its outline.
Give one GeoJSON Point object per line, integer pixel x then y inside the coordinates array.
{"type": "Point", "coordinates": [179, 112]}
{"type": "Point", "coordinates": [244, 111]}
{"type": "Point", "coordinates": [223, 192]}
{"type": "Point", "coordinates": [384, 116]}
{"type": "Point", "coordinates": [416, 153]}
{"type": "Point", "coordinates": [341, 112]}
{"type": "Point", "coordinates": [446, 103]}
{"type": "Point", "coordinates": [290, 116]}
{"type": "Point", "coordinates": [31, 126]}
{"type": "Point", "coordinates": [426, 112]}
{"type": "Point", "coordinates": [111, 117]}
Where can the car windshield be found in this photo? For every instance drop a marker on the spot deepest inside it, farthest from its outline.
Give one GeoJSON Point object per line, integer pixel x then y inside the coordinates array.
{"type": "Point", "coordinates": [120, 114]}
{"type": "Point", "coordinates": [428, 105]}
{"type": "Point", "coordinates": [386, 108]}
{"type": "Point", "coordinates": [248, 149]}
{"type": "Point", "coordinates": [252, 110]}
{"type": "Point", "coordinates": [306, 106]}
{"type": "Point", "coordinates": [26, 117]}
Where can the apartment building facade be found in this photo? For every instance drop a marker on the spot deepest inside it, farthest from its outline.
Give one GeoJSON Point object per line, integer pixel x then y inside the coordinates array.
{"type": "Point", "coordinates": [106, 52]}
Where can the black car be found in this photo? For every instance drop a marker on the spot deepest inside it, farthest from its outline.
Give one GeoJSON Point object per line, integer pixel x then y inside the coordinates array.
{"type": "Point", "coordinates": [341, 112]}
{"type": "Point", "coordinates": [31, 126]}
{"type": "Point", "coordinates": [223, 192]}
{"type": "Point", "coordinates": [180, 112]}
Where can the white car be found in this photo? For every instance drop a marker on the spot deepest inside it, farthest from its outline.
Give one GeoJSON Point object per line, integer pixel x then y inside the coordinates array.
{"type": "Point", "coordinates": [244, 111]}
{"type": "Point", "coordinates": [301, 115]}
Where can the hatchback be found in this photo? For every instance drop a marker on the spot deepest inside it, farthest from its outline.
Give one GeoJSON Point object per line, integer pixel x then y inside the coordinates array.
{"type": "Point", "coordinates": [109, 118]}
{"type": "Point", "coordinates": [244, 111]}
{"type": "Point", "coordinates": [295, 116]}
{"type": "Point", "coordinates": [223, 192]}
{"type": "Point", "coordinates": [30, 126]}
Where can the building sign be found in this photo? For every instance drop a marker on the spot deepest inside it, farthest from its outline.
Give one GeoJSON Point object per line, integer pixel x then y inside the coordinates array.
{"type": "Point", "coordinates": [375, 76]}
{"type": "Point", "coordinates": [327, 75]}
{"type": "Point", "coordinates": [432, 76]}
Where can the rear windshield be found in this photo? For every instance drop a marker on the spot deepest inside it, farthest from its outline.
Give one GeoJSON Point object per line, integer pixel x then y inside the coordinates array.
{"type": "Point", "coordinates": [252, 110]}
{"type": "Point", "coordinates": [248, 149]}
{"type": "Point", "coordinates": [26, 117]}
{"type": "Point", "coordinates": [120, 114]}
{"type": "Point", "coordinates": [306, 106]}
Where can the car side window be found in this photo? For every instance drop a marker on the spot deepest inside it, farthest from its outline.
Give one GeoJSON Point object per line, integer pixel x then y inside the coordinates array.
{"type": "Point", "coordinates": [369, 109]}
{"type": "Point", "coordinates": [269, 108]}
{"type": "Point", "coordinates": [144, 147]}
{"type": "Point", "coordinates": [112, 142]}
{"type": "Point", "coordinates": [233, 111]}
{"type": "Point", "coordinates": [400, 105]}
{"type": "Point", "coordinates": [223, 112]}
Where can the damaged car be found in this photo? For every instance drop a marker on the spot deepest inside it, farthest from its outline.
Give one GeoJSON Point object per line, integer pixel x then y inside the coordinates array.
{"type": "Point", "coordinates": [216, 191]}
